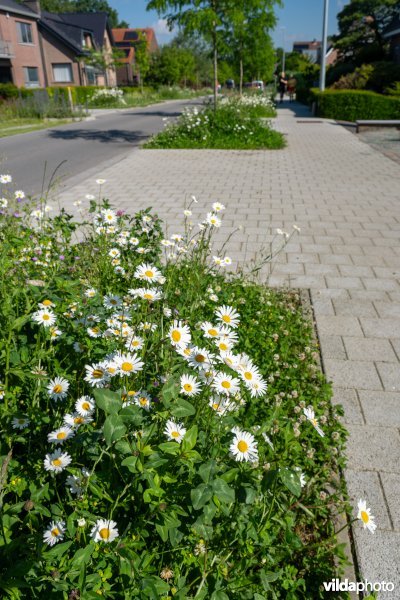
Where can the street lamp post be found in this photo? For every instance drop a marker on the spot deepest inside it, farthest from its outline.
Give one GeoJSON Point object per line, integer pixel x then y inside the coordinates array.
{"type": "Point", "coordinates": [324, 46]}
{"type": "Point", "coordinates": [283, 49]}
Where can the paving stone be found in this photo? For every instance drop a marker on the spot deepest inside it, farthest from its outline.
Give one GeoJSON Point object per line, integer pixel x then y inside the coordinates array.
{"type": "Point", "coordinates": [338, 325]}
{"type": "Point", "coordinates": [349, 400]}
{"type": "Point", "coordinates": [365, 485]}
{"type": "Point", "coordinates": [380, 408]}
{"type": "Point", "coordinates": [388, 285]}
{"type": "Point", "coordinates": [388, 309]}
{"type": "Point", "coordinates": [360, 375]}
{"type": "Point", "coordinates": [355, 308]}
{"type": "Point", "coordinates": [348, 283]}
{"type": "Point", "coordinates": [361, 348]}
{"type": "Point", "coordinates": [396, 347]}
{"type": "Point", "coordinates": [390, 375]}
{"type": "Point", "coordinates": [391, 487]}
{"type": "Point", "coordinates": [384, 328]}
{"type": "Point", "coordinates": [332, 347]}
{"type": "Point", "coordinates": [372, 448]}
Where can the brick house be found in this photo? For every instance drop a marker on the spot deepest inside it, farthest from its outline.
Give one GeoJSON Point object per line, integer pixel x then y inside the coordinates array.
{"type": "Point", "coordinates": [21, 59]}
{"type": "Point", "coordinates": [125, 41]}
{"type": "Point", "coordinates": [41, 49]}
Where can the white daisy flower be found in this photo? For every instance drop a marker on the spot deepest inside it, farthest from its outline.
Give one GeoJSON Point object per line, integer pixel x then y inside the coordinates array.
{"type": "Point", "coordinates": [175, 431]}
{"type": "Point", "coordinates": [20, 422]}
{"type": "Point", "coordinates": [179, 334]}
{"type": "Point", "coordinates": [223, 346]}
{"type": "Point", "coordinates": [114, 253]}
{"type": "Point", "coordinates": [210, 330]}
{"type": "Point", "coordinates": [60, 435]}
{"type": "Point", "coordinates": [227, 315]}
{"type": "Point", "coordinates": [58, 388]}
{"type": "Point", "coordinates": [134, 241]}
{"type": "Point", "coordinates": [44, 317]}
{"type": "Point", "coordinates": [225, 384]}
{"type": "Point", "coordinates": [84, 406]}
{"type": "Point", "coordinates": [200, 358]}
{"type": "Point", "coordinates": [76, 420]}
{"type": "Point", "coordinates": [94, 332]}
{"type": "Point", "coordinates": [46, 303]}
{"type": "Point", "coordinates": [310, 414]}
{"type": "Point", "coordinates": [147, 272]}
{"type": "Point", "coordinates": [55, 533]}
{"type": "Point", "coordinates": [189, 385]}
{"type": "Point", "coordinates": [213, 220]}
{"type": "Point", "coordinates": [127, 364]}
{"type": "Point", "coordinates": [187, 213]}
{"type": "Point", "coordinates": [143, 399]}
{"type": "Point", "coordinates": [57, 461]}
{"type": "Point", "coordinates": [101, 181]}
{"type": "Point", "coordinates": [218, 261]}
{"type": "Point", "coordinates": [112, 301]}
{"type": "Point", "coordinates": [134, 342]}
{"type": "Point", "coordinates": [55, 333]}
{"type": "Point", "coordinates": [75, 484]}
{"type": "Point", "coordinates": [258, 388]}
{"type": "Point", "coordinates": [3, 202]}
{"type": "Point", "coordinates": [5, 179]}
{"type": "Point", "coordinates": [149, 294]}
{"type": "Point", "coordinates": [19, 195]}
{"type": "Point", "coordinates": [227, 260]}
{"type": "Point", "coordinates": [104, 531]}
{"type": "Point", "coordinates": [177, 237]}
{"type": "Point", "coordinates": [221, 405]}
{"type": "Point", "coordinates": [109, 216]}
{"type": "Point", "coordinates": [217, 207]}
{"type": "Point", "coordinates": [96, 375]}
{"type": "Point", "coordinates": [167, 312]}
{"type": "Point", "coordinates": [364, 514]}
{"type": "Point", "coordinates": [249, 374]}
{"type": "Point", "coordinates": [244, 447]}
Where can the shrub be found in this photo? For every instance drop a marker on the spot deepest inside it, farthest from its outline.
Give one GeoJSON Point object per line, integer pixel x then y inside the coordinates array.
{"type": "Point", "coordinates": [350, 105]}
{"type": "Point", "coordinates": [375, 77]}
{"type": "Point", "coordinates": [10, 91]}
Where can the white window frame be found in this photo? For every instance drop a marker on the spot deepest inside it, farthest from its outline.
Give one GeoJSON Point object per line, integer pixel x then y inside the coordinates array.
{"type": "Point", "coordinates": [20, 30]}
{"type": "Point", "coordinates": [67, 67]}
{"type": "Point", "coordinates": [28, 82]}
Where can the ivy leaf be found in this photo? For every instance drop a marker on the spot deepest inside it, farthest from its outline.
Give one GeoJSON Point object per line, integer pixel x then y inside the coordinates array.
{"type": "Point", "coordinates": [183, 408]}
{"type": "Point", "coordinates": [108, 401]}
{"type": "Point", "coordinates": [113, 429]}
{"type": "Point", "coordinates": [223, 491]}
{"type": "Point", "coordinates": [201, 495]}
{"type": "Point", "coordinates": [291, 480]}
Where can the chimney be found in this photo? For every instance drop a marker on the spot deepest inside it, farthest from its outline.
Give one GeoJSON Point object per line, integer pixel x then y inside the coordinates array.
{"type": "Point", "coordinates": [34, 5]}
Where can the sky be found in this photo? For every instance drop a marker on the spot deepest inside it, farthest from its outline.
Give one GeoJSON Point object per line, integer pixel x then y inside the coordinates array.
{"type": "Point", "coordinates": [301, 20]}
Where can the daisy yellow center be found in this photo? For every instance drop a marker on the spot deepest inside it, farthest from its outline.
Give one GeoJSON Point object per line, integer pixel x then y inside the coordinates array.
{"type": "Point", "coordinates": [215, 406]}
{"type": "Point", "coordinates": [226, 319]}
{"type": "Point", "coordinates": [148, 296]}
{"type": "Point", "coordinates": [149, 274]}
{"type": "Point", "coordinates": [213, 332]}
{"type": "Point", "coordinates": [55, 532]}
{"type": "Point", "coordinates": [85, 405]}
{"type": "Point", "coordinates": [364, 516]}
{"type": "Point", "coordinates": [57, 462]}
{"type": "Point", "coordinates": [143, 401]}
{"type": "Point", "coordinates": [188, 387]}
{"type": "Point", "coordinates": [135, 344]}
{"type": "Point", "coordinates": [47, 303]}
{"type": "Point", "coordinates": [97, 374]}
{"type": "Point", "coordinates": [79, 420]}
{"type": "Point", "coordinates": [57, 388]}
{"type": "Point", "coordinates": [175, 434]}
{"type": "Point", "coordinates": [46, 317]}
{"type": "Point", "coordinates": [200, 358]}
{"type": "Point", "coordinates": [104, 533]}
{"type": "Point", "coordinates": [95, 330]}
{"type": "Point", "coordinates": [314, 422]}
{"type": "Point", "coordinates": [132, 393]}
{"type": "Point", "coordinates": [226, 384]}
{"type": "Point", "coordinates": [242, 446]}
{"type": "Point", "coordinates": [112, 301]}
{"type": "Point", "coordinates": [223, 347]}
{"type": "Point", "coordinates": [109, 217]}
{"type": "Point", "coordinates": [176, 335]}
{"type": "Point", "coordinates": [111, 370]}
{"type": "Point", "coordinates": [61, 435]}
{"type": "Point", "coordinates": [21, 421]}
{"type": "Point", "coordinates": [127, 366]}
{"type": "Point", "coordinates": [248, 375]}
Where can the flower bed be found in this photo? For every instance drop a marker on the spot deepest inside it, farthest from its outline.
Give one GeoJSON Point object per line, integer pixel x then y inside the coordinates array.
{"type": "Point", "coordinates": [166, 429]}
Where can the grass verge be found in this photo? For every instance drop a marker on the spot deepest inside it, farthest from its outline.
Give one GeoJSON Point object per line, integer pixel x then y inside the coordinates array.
{"type": "Point", "coordinates": [17, 126]}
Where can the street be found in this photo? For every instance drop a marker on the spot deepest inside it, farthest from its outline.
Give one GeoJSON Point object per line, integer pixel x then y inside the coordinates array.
{"type": "Point", "coordinates": [81, 147]}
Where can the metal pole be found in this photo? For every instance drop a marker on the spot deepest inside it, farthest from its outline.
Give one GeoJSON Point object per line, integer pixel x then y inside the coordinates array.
{"type": "Point", "coordinates": [324, 46]}
{"type": "Point", "coordinates": [283, 50]}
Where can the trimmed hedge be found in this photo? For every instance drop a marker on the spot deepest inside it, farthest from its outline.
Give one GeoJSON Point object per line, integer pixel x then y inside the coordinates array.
{"type": "Point", "coordinates": [350, 105]}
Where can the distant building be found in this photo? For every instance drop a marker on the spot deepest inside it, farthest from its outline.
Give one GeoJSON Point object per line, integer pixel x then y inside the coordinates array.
{"type": "Point", "coordinates": [310, 49]}
{"type": "Point", "coordinates": [125, 41]}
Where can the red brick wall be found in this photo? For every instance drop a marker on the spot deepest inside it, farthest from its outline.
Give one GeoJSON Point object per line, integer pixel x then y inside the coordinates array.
{"type": "Point", "coordinates": [56, 53]}
{"type": "Point", "coordinates": [24, 55]}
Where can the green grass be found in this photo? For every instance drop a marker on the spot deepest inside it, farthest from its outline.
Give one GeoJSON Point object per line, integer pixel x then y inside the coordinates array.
{"type": "Point", "coordinates": [230, 127]}
{"type": "Point", "coordinates": [137, 98]}
{"type": "Point", "coordinates": [17, 126]}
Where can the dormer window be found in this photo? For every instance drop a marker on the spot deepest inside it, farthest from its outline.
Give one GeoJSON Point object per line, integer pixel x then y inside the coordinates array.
{"type": "Point", "coordinates": [87, 40]}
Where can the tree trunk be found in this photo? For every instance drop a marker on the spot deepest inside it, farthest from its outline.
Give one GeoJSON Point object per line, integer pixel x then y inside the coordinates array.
{"type": "Point", "coordinates": [215, 53]}
{"type": "Point", "coordinates": [241, 77]}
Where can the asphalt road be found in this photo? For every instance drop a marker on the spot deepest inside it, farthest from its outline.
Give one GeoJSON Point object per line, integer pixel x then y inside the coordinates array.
{"type": "Point", "coordinates": [85, 146]}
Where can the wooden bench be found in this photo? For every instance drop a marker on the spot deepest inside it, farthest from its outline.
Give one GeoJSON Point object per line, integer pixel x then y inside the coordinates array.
{"type": "Point", "coordinates": [376, 124]}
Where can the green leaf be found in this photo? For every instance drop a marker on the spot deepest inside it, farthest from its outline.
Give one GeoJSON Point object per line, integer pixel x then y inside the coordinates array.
{"type": "Point", "coordinates": [130, 463]}
{"type": "Point", "coordinates": [291, 480]}
{"type": "Point", "coordinates": [132, 414]}
{"type": "Point", "coordinates": [230, 475]}
{"type": "Point", "coordinates": [82, 556]}
{"type": "Point", "coordinates": [223, 491]}
{"type": "Point", "coordinates": [219, 595]}
{"type": "Point", "coordinates": [189, 441]}
{"type": "Point", "coordinates": [201, 495]}
{"type": "Point", "coordinates": [170, 447]}
{"type": "Point", "coordinates": [162, 531]}
{"type": "Point", "coordinates": [113, 429]}
{"type": "Point", "coordinates": [170, 390]}
{"type": "Point", "coordinates": [20, 322]}
{"type": "Point", "coordinates": [183, 408]}
{"type": "Point", "coordinates": [207, 470]}
{"type": "Point", "coordinates": [108, 401]}
{"type": "Point", "coordinates": [58, 550]}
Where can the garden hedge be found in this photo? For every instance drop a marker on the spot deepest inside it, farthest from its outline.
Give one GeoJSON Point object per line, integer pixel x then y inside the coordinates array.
{"type": "Point", "coordinates": [351, 105]}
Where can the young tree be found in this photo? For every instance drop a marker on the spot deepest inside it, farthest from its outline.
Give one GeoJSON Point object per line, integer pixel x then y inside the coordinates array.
{"type": "Point", "coordinates": [361, 24]}
{"type": "Point", "coordinates": [142, 57]}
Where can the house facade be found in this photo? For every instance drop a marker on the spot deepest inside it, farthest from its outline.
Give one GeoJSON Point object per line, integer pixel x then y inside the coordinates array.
{"type": "Point", "coordinates": [21, 59]}
{"type": "Point", "coordinates": [41, 49]}
{"type": "Point", "coordinates": [125, 41]}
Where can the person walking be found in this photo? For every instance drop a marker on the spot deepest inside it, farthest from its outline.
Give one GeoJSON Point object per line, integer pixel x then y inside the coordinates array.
{"type": "Point", "coordinates": [282, 86]}
{"type": "Point", "coordinates": [291, 87]}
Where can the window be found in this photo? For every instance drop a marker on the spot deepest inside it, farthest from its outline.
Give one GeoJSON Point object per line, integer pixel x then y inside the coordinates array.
{"type": "Point", "coordinates": [62, 72]}
{"type": "Point", "coordinates": [31, 76]}
{"type": "Point", "coordinates": [24, 33]}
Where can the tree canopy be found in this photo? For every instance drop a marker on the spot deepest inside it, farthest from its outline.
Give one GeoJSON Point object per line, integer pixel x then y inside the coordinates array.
{"type": "Point", "coordinates": [361, 24]}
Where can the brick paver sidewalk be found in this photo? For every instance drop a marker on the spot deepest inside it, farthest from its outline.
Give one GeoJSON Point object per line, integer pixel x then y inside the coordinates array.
{"type": "Point", "coordinates": [345, 196]}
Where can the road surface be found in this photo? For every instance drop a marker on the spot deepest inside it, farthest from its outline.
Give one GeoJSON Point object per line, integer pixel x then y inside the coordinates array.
{"type": "Point", "coordinates": [85, 146]}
